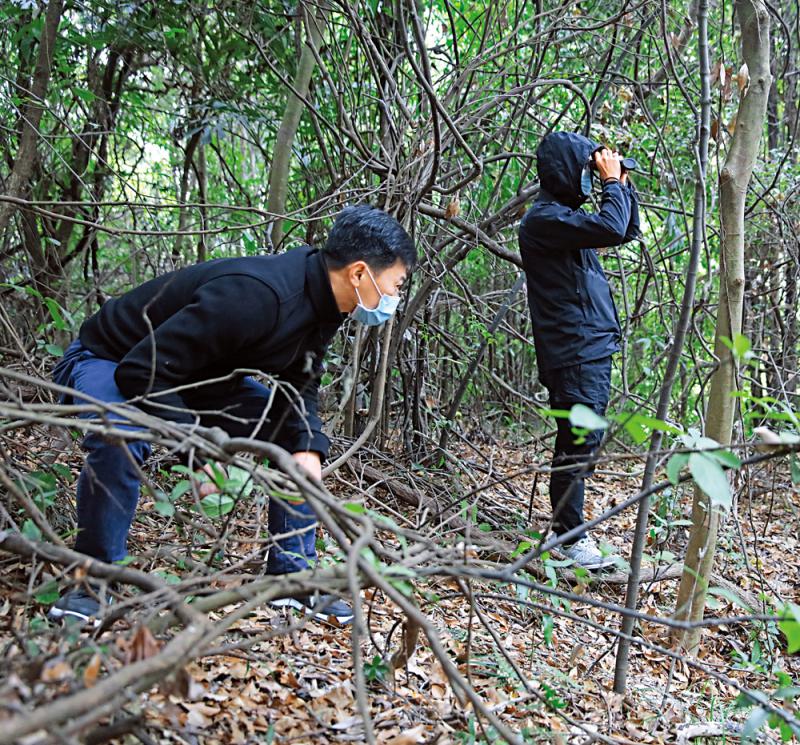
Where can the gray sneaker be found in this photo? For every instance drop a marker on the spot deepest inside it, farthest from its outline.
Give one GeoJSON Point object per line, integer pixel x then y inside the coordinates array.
{"type": "Point", "coordinates": [81, 605]}
{"type": "Point", "coordinates": [586, 554]}
{"type": "Point", "coordinates": [326, 608]}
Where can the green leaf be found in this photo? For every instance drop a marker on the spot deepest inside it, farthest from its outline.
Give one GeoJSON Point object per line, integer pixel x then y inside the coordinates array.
{"type": "Point", "coordinates": [43, 485]}
{"type": "Point", "coordinates": [694, 441]}
{"type": "Point", "coordinates": [54, 350]}
{"type": "Point", "coordinates": [634, 428]}
{"type": "Point", "coordinates": [754, 723]}
{"type": "Point", "coordinates": [521, 549]}
{"type": "Point", "coordinates": [47, 594]}
{"type": "Point", "coordinates": [216, 505]}
{"type": "Point", "coordinates": [239, 481]}
{"type": "Point", "coordinates": [659, 424]}
{"type": "Point", "coordinates": [790, 626]}
{"type": "Point", "coordinates": [355, 508]}
{"type": "Point", "coordinates": [31, 531]}
{"type": "Point", "coordinates": [583, 416]}
{"type": "Point", "coordinates": [179, 490]}
{"type": "Point", "coordinates": [557, 413]}
{"type": "Point", "coordinates": [788, 693]}
{"type": "Point", "coordinates": [84, 94]}
{"type": "Point", "coordinates": [727, 458]}
{"type": "Point", "coordinates": [165, 508]}
{"type": "Point", "coordinates": [795, 468]}
{"type": "Point", "coordinates": [547, 630]}
{"type": "Point", "coordinates": [710, 477]}
{"type": "Point", "coordinates": [61, 470]}
{"type": "Point", "coordinates": [731, 597]}
{"type": "Point", "coordinates": [675, 465]}
{"type": "Point", "coordinates": [741, 347]}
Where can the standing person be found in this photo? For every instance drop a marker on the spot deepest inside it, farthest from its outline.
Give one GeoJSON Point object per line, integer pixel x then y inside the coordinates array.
{"type": "Point", "coordinates": [173, 346]}
{"type": "Point", "coordinates": [575, 323]}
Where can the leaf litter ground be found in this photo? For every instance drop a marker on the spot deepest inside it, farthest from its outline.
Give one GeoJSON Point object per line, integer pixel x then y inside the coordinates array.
{"type": "Point", "coordinates": [298, 687]}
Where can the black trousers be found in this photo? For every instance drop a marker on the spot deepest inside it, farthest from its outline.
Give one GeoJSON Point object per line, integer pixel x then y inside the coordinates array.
{"type": "Point", "coordinates": [590, 384]}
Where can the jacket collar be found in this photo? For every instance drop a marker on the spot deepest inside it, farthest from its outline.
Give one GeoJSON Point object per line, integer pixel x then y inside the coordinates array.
{"type": "Point", "coordinates": [320, 292]}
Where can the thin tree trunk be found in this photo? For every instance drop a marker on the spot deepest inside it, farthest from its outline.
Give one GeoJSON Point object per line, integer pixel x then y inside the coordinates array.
{"type": "Point", "coordinates": [202, 188]}
{"type": "Point", "coordinates": [681, 328]}
{"type": "Point", "coordinates": [183, 197]}
{"type": "Point", "coordinates": [26, 155]}
{"type": "Point", "coordinates": [281, 153]}
{"type": "Point", "coordinates": [734, 179]}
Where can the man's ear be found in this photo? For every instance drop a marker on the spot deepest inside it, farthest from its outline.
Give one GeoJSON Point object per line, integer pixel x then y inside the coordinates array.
{"type": "Point", "coordinates": [356, 272]}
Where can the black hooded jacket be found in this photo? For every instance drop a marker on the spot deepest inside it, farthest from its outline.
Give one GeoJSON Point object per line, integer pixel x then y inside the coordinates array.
{"type": "Point", "coordinates": [573, 312]}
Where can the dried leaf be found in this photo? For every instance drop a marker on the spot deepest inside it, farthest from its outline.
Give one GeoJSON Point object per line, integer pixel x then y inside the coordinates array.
{"type": "Point", "coordinates": [409, 737]}
{"type": "Point", "coordinates": [55, 671]}
{"type": "Point", "coordinates": [92, 671]}
{"type": "Point", "coordinates": [743, 77]}
{"type": "Point", "coordinates": [452, 209]}
{"type": "Point", "coordinates": [714, 129]}
{"type": "Point", "coordinates": [718, 74]}
{"type": "Point", "coordinates": [142, 646]}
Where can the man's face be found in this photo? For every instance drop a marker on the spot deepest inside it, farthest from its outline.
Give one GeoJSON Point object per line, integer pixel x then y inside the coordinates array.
{"type": "Point", "coordinates": [389, 282]}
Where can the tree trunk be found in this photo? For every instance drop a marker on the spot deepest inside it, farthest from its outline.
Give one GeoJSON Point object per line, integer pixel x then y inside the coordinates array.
{"type": "Point", "coordinates": [734, 179]}
{"type": "Point", "coordinates": [202, 188]}
{"type": "Point", "coordinates": [281, 153]}
{"type": "Point", "coordinates": [183, 196]}
{"type": "Point", "coordinates": [26, 155]}
{"type": "Point", "coordinates": [679, 337]}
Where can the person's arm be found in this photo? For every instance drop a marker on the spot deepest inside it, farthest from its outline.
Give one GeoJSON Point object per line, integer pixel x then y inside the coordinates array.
{"type": "Point", "coordinates": [574, 228]}
{"type": "Point", "coordinates": [301, 428]}
{"type": "Point", "coordinates": [224, 316]}
{"type": "Point", "coordinates": [634, 229]}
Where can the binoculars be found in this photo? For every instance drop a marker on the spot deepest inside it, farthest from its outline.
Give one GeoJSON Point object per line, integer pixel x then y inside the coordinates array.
{"type": "Point", "coordinates": [628, 164]}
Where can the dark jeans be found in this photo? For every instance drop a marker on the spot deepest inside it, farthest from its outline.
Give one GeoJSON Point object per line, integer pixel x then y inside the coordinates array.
{"type": "Point", "coordinates": [108, 487]}
{"type": "Point", "coordinates": [588, 384]}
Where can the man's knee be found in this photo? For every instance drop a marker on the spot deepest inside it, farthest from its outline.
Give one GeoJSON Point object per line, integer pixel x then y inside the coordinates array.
{"type": "Point", "coordinates": [99, 446]}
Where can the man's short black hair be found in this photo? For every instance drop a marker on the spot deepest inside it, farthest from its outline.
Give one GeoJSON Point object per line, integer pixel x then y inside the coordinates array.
{"type": "Point", "coordinates": [364, 233]}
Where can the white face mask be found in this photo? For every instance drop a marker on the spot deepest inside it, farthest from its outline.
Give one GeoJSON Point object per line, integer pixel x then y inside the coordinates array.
{"type": "Point", "coordinates": [387, 305]}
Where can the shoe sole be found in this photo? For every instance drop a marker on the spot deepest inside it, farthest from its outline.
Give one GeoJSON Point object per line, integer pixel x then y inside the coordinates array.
{"type": "Point", "coordinates": [599, 567]}
{"type": "Point", "coordinates": [297, 605]}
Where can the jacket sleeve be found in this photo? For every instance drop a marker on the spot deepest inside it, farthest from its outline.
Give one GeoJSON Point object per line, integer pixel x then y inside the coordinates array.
{"type": "Point", "coordinates": [301, 427]}
{"type": "Point", "coordinates": [574, 228]}
{"type": "Point", "coordinates": [634, 230]}
{"type": "Point", "coordinates": [224, 316]}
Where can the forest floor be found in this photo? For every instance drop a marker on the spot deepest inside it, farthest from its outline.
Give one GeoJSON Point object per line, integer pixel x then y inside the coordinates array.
{"type": "Point", "coordinates": [298, 687]}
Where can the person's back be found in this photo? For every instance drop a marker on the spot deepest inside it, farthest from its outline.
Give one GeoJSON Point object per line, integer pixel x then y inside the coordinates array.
{"type": "Point", "coordinates": [575, 323]}
{"type": "Point", "coordinates": [572, 309]}
{"type": "Point", "coordinates": [202, 322]}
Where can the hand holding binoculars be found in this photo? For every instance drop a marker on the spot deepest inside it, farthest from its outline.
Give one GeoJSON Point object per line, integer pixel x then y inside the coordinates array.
{"type": "Point", "coordinates": [628, 164]}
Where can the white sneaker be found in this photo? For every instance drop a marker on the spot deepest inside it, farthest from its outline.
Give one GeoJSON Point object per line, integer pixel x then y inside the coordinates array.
{"type": "Point", "coordinates": [321, 607]}
{"type": "Point", "coordinates": [586, 554]}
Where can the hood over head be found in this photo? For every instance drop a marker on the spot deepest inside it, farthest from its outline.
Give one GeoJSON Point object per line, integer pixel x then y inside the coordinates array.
{"type": "Point", "coordinates": [560, 159]}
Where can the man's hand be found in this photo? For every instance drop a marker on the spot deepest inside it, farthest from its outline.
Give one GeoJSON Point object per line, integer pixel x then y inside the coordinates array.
{"type": "Point", "coordinates": [608, 164]}
{"type": "Point", "coordinates": [310, 462]}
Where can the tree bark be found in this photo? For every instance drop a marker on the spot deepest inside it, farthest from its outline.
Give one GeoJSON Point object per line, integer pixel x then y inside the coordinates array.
{"type": "Point", "coordinates": [679, 337]}
{"type": "Point", "coordinates": [282, 151]}
{"type": "Point", "coordinates": [734, 180]}
{"type": "Point", "coordinates": [26, 155]}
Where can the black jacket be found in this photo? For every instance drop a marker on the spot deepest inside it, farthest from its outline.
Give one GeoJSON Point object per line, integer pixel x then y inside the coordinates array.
{"type": "Point", "coordinates": [573, 312]}
{"type": "Point", "coordinates": [275, 314]}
